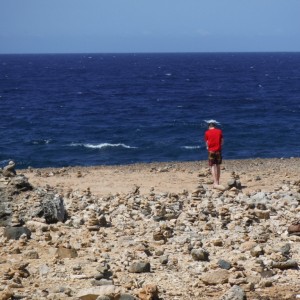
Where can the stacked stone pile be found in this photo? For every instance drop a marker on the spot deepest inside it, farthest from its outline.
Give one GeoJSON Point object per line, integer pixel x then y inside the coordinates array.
{"type": "Point", "coordinates": [191, 245]}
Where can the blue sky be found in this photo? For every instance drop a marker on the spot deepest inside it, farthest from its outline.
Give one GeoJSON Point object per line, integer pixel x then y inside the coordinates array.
{"type": "Point", "coordinates": [91, 26]}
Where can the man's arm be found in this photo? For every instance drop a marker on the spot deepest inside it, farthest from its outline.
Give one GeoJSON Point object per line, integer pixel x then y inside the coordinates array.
{"type": "Point", "coordinates": [206, 140]}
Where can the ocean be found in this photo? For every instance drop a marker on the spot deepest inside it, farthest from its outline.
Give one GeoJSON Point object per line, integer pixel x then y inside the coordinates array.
{"type": "Point", "coordinates": [61, 110]}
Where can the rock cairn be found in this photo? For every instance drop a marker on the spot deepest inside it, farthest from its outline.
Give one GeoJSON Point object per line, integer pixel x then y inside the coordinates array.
{"type": "Point", "coordinates": [217, 244]}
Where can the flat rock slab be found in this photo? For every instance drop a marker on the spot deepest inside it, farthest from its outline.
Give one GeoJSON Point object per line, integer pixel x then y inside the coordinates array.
{"type": "Point", "coordinates": [215, 277]}
{"type": "Point", "coordinates": [95, 292]}
{"type": "Point", "coordinates": [127, 297]}
{"type": "Point", "coordinates": [284, 265]}
{"type": "Point", "coordinates": [66, 253]}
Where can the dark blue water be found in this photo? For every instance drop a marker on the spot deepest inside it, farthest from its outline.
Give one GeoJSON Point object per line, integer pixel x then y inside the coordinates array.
{"type": "Point", "coordinates": [66, 110]}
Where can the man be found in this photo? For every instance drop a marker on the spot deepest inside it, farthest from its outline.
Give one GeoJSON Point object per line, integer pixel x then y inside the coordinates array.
{"type": "Point", "coordinates": [214, 141]}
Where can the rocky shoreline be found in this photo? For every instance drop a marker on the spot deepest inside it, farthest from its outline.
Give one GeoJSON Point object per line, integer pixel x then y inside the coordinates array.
{"type": "Point", "coordinates": [151, 231]}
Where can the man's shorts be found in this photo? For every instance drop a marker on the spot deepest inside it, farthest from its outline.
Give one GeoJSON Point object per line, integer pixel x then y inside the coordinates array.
{"type": "Point", "coordinates": [214, 158]}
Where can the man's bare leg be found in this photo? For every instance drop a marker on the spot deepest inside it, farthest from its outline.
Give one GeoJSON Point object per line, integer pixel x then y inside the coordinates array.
{"type": "Point", "coordinates": [218, 173]}
{"type": "Point", "coordinates": [214, 172]}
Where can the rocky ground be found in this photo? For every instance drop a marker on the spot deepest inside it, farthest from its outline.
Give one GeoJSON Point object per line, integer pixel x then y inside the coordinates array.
{"type": "Point", "coordinates": [151, 231]}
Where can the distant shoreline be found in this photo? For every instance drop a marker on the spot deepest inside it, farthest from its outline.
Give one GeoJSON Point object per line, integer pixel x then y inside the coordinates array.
{"type": "Point", "coordinates": [166, 163]}
{"type": "Point", "coordinates": [255, 174]}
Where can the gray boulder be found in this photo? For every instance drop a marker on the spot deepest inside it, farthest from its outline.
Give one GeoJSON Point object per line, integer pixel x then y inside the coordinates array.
{"type": "Point", "coordinates": [14, 233]}
{"type": "Point", "coordinates": [139, 267]}
{"type": "Point", "coordinates": [235, 293]}
{"type": "Point", "coordinates": [19, 184]}
{"type": "Point", "coordinates": [199, 255]}
{"type": "Point", "coordinates": [8, 189]}
{"type": "Point", "coordinates": [284, 265]}
{"type": "Point", "coordinates": [52, 209]}
{"type": "Point", "coordinates": [5, 212]}
{"type": "Point", "coordinates": [223, 264]}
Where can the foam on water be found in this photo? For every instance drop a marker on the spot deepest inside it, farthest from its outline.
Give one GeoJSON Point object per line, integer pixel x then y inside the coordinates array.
{"type": "Point", "coordinates": [41, 142]}
{"type": "Point", "coordinates": [102, 145]}
{"type": "Point", "coordinates": [191, 147]}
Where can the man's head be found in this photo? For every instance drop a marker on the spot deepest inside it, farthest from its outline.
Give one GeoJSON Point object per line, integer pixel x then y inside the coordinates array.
{"type": "Point", "coordinates": [212, 123]}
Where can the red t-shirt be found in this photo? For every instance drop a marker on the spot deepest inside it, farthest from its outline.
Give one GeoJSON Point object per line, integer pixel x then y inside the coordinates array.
{"type": "Point", "coordinates": [214, 137]}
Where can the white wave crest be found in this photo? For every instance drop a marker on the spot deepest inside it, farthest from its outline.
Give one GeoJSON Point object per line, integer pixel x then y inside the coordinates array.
{"type": "Point", "coordinates": [39, 142]}
{"type": "Point", "coordinates": [191, 147]}
{"type": "Point", "coordinates": [102, 145]}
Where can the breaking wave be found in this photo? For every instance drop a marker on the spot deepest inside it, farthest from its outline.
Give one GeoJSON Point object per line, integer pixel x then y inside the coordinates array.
{"type": "Point", "coordinates": [190, 147]}
{"type": "Point", "coordinates": [102, 146]}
